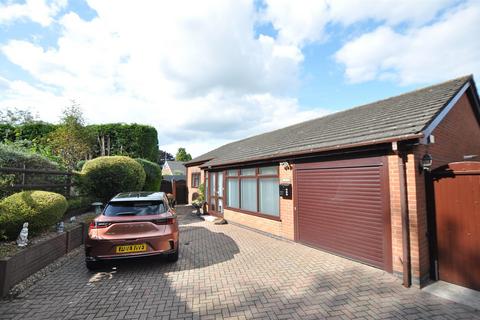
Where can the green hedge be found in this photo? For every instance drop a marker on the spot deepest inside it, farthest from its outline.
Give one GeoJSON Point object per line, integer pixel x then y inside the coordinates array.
{"type": "Point", "coordinates": [80, 202]}
{"type": "Point", "coordinates": [80, 164]}
{"type": "Point", "coordinates": [14, 157]}
{"type": "Point", "coordinates": [34, 131]}
{"type": "Point", "coordinates": [153, 175]}
{"type": "Point", "coordinates": [7, 132]}
{"type": "Point", "coordinates": [31, 131]}
{"type": "Point", "coordinates": [133, 140]}
{"type": "Point", "coordinates": [41, 209]}
{"type": "Point", "coordinates": [104, 177]}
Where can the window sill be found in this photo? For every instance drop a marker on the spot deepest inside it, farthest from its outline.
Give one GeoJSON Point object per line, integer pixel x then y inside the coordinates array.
{"type": "Point", "coordinates": [256, 214]}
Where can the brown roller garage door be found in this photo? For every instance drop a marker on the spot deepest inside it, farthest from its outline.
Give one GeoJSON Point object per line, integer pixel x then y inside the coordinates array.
{"type": "Point", "coordinates": [342, 207]}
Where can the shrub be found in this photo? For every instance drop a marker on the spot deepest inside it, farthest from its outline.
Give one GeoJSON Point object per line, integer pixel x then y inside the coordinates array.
{"type": "Point", "coordinates": [16, 157]}
{"type": "Point", "coordinates": [153, 175]}
{"type": "Point", "coordinates": [104, 177]}
{"type": "Point", "coordinates": [80, 164]}
{"type": "Point", "coordinates": [7, 132]}
{"type": "Point", "coordinates": [33, 131]}
{"type": "Point", "coordinates": [41, 209]}
{"type": "Point", "coordinates": [80, 202]}
{"type": "Point", "coordinates": [200, 199]}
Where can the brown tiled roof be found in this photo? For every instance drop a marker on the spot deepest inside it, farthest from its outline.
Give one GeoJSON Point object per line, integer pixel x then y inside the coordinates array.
{"type": "Point", "coordinates": [395, 118]}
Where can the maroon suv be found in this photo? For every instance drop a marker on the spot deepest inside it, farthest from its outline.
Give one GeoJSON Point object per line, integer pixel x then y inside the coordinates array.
{"type": "Point", "coordinates": [134, 224]}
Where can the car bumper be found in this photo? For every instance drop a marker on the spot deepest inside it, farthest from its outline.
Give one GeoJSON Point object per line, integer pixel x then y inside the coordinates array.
{"type": "Point", "coordinates": [96, 250]}
{"type": "Point", "coordinates": [129, 256]}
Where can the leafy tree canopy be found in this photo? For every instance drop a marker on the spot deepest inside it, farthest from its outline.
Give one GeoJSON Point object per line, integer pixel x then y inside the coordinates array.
{"type": "Point", "coordinates": [15, 116]}
{"type": "Point", "coordinates": [71, 141]}
{"type": "Point", "coordinates": [182, 155]}
{"type": "Point", "coordinates": [164, 156]}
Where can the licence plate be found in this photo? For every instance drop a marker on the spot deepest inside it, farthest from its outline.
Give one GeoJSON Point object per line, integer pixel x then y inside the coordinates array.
{"type": "Point", "coordinates": [132, 248]}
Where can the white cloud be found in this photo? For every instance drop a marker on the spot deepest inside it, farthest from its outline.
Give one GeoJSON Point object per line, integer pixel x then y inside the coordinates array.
{"type": "Point", "coordinates": [302, 22]}
{"type": "Point", "coordinates": [391, 12]}
{"type": "Point", "coordinates": [39, 11]}
{"type": "Point", "coordinates": [298, 22]}
{"type": "Point", "coordinates": [440, 50]}
{"type": "Point", "coordinates": [195, 71]}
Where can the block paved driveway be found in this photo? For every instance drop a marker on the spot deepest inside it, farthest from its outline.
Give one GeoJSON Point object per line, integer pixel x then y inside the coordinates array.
{"type": "Point", "coordinates": [226, 271]}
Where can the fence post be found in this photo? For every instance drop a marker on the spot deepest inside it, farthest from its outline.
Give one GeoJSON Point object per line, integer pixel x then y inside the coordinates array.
{"type": "Point", "coordinates": [23, 174]}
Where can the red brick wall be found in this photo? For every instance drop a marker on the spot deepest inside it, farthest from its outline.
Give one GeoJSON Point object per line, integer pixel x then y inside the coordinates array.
{"type": "Point", "coordinates": [286, 205]}
{"type": "Point", "coordinates": [192, 190]}
{"type": "Point", "coordinates": [457, 135]}
{"type": "Point", "coordinates": [395, 212]}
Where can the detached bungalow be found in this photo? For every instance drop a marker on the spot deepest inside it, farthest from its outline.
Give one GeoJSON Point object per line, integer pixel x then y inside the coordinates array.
{"type": "Point", "coordinates": [354, 183]}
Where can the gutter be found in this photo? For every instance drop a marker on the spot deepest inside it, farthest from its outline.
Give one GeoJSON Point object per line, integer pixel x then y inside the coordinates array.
{"type": "Point", "coordinates": [315, 150]}
{"type": "Point", "coordinates": [406, 263]}
{"type": "Point", "coordinates": [191, 164]}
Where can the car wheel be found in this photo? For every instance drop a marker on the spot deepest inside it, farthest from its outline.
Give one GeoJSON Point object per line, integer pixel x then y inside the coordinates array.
{"type": "Point", "coordinates": [92, 265]}
{"type": "Point", "coordinates": [173, 257]}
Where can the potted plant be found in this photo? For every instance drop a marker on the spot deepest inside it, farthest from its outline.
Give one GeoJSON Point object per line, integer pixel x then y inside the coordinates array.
{"type": "Point", "coordinates": [199, 201]}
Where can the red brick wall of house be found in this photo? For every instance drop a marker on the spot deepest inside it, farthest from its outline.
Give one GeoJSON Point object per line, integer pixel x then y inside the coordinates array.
{"type": "Point", "coordinates": [192, 190]}
{"type": "Point", "coordinates": [457, 135]}
{"type": "Point", "coordinates": [395, 212]}
{"type": "Point", "coordinates": [286, 205]}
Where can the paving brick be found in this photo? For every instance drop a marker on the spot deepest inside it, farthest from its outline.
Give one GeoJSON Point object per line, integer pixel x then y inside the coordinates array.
{"type": "Point", "coordinates": [228, 272]}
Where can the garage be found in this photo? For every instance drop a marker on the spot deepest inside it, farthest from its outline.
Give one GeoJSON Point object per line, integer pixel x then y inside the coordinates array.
{"type": "Point", "coordinates": [343, 207]}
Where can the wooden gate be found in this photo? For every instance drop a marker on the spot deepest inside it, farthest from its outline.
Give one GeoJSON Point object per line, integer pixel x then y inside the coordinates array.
{"type": "Point", "coordinates": [456, 223]}
{"type": "Point", "coordinates": [176, 187]}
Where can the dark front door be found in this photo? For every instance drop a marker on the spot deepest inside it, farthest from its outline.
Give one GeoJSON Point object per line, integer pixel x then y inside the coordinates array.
{"type": "Point", "coordinates": [457, 218]}
{"type": "Point", "coordinates": [215, 203]}
{"type": "Point", "coordinates": [343, 207]}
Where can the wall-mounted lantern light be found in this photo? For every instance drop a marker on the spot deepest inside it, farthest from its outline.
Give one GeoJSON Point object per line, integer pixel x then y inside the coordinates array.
{"type": "Point", "coordinates": [426, 163]}
{"type": "Point", "coordinates": [285, 165]}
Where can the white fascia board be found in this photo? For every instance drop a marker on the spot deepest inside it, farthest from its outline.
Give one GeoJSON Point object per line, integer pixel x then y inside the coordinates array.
{"type": "Point", "coordinates": [428, 131]}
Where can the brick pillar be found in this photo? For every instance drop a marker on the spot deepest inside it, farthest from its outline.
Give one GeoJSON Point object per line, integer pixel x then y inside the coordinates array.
{"type": "Point", "coordinates": [419, 257]}
{"type": "Point", "coordinates": [286, 205]}
{"type": "Point", "coordinates": [396, 214]}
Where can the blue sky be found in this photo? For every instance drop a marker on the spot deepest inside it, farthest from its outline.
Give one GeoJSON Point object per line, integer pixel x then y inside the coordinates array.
{"type": "Point", "coordinates": [207, 73]}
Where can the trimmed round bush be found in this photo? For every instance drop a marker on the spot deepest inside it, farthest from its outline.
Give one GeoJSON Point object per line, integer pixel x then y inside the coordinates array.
{"type": "Point", "coordinates": [41, 209]}
{"type": "Point", "coordinates": [104, 177]}
{"type": "Point", "coordinates": [153, 175]}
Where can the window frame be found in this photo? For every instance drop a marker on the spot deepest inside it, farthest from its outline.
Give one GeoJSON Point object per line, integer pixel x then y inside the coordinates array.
{"type": "Point", "coordinates": [192, 184]}
{"type": "Point", "coordinates": [257, 177]}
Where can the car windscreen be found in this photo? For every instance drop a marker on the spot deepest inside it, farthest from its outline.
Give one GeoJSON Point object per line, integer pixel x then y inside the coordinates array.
{"type": "Point", "coordinates": [134, 208]}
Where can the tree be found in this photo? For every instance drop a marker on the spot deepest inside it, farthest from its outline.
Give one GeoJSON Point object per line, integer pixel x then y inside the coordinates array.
{"type": "Point", "coordinates": [164, 156]}
{"type": "Point", "coordinates": [15, 116]}
{"type": "Point", "coordinates": [71, 141]}
{"type": "Point", "coordinates": [182, 155]}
